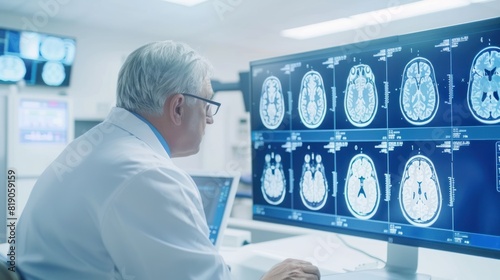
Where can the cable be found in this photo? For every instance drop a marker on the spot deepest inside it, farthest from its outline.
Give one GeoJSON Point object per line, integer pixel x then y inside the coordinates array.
{"type": "Point", "coordinates": [359, 250]}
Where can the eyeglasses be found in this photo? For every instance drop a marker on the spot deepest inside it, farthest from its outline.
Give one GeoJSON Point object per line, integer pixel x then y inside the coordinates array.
{"type": "Point", "coordinates": [212, 106]}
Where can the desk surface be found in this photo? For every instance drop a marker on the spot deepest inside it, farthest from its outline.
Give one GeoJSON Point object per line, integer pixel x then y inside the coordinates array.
{"type": "Point", "coordinates": [323, 249]}
{"type": "Point", "coordinates": [332, 256]}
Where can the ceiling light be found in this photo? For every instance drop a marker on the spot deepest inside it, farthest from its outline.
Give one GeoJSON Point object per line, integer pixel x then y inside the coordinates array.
{"type": "Point", "coordinates": [188, 3]}
{"type": "Point", "coordinates": [382, 16]}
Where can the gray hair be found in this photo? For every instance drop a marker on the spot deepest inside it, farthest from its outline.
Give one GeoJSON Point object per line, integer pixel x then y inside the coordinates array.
{"type": "Point", "coordinates": [157, 70]}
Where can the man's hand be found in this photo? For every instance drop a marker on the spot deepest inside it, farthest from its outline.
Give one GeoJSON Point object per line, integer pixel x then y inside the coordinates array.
{"type": "Point", "coordinates": [291, 269]}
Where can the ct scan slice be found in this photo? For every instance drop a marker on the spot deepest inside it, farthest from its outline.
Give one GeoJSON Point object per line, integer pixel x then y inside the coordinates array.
{"type": "Point", "coordinates": [273, 180]}
{"type": "Point", "coordinates": [419, 99]}
{"type": "Point", "coordinates": [484, 83]}
{"type": "Point", "coordinates": [52, 48]}
{"type": "Point", "coordinates": [313, 183]}
{"type": "Point", "coordinates": [361, 99]}
{"type": "Point", "coordinates": [53, 73]}
{"type": "Point", "coordinates": [272, 103]}
{"type": "Point", "coordinates": [362, 189]}
{"type": "Point", "coordinates": [12, 68]}
{"type": "Point", "coordinates": [419, 194]}
{"type": "Point", "coordinates": [312, 100]}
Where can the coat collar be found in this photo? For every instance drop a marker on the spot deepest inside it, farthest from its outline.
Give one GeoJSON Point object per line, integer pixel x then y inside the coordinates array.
{"type": "Point", "coordinates": [139, 128]}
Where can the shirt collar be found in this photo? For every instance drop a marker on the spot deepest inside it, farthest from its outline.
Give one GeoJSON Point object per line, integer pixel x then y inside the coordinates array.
{"type": "Point", "coordinates": [155, 131]}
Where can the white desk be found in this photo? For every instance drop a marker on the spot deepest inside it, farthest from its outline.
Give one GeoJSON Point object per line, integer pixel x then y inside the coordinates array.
{"type": "Point", "coordinates": [325, 250]}
{"type": "Point", "coordinates": [322, 248]}
{"type": "Point", "coordinates": [330, 255]}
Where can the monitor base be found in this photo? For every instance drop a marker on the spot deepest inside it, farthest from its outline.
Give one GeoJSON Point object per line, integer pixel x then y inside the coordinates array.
{"type": "Point", "coordinates": [402, 263]}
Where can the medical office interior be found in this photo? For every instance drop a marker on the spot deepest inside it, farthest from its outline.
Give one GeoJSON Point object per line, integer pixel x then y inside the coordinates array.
{"type": "Point", "coordinates": [249, 43]}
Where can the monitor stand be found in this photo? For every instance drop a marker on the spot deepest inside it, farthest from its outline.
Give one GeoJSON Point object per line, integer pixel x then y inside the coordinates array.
{"type": "Point", "coordinates": [402, 262]}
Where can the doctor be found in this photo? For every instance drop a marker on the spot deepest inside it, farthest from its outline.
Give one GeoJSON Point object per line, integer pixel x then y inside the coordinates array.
{"type": "Point", "coordinates": [113, 205]}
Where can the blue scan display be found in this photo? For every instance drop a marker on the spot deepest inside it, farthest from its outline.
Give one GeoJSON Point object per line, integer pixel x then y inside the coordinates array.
{"type": "Point", "coordinates": [398, 139]}
{"type": "Point", "coordinates": [35, 58]}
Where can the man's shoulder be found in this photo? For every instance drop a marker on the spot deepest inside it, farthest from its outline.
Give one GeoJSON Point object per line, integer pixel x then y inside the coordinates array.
{"type": "Point", "coordinates": [113, 158]}
{"type": "Point", "coordinates": [108, 141]}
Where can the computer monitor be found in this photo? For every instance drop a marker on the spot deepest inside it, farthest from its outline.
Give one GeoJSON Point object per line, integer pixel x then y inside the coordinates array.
{"type": "Point", "coordinates": [395, 139]}
{"type": "Point", "coordinates": [39, 126]}
{"type": "Point", "coordinates": [217, 192]}
{"type": "Point", "coordinates": [43, 121]}
{"type": "Point", "coordinates": [35, 58]}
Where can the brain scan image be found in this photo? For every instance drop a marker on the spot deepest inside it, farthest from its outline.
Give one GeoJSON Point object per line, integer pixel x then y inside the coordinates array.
{"type": "Point", "coordinates": [361, 99]}
{"type": "Point", "coordinates": [272, 104]}
{"type": "Point", "coordinates": [52, 48]}
{"type": "Point", "coordinates": [484, 84]}
{"type": "Point", "coordinates": [273, 180]}
{"type": "Point", "coordinates": [12, 68]}
{"type": "Point", "coordinates": [419, 194]}
{"type": "Point", "coordinates": [313, 183]}
{"type": "Point", "coordinates": [419, 99]}
{"type": "Point", "coordinates": [362, 189]}
{"type": "Point", "coordinates": [312, 100]}
{"type": "Point", "coordinates": [53, 73]}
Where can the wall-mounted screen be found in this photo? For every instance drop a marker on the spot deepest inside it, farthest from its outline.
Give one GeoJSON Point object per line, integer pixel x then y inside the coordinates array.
{"type": "Point", "coordinates": [35, 58]}
{"type": "Point", "coordinates": [39, 127]}
{"type": "Point", "coordinates": [43, 121]}
{"type": "Point", "coordinates": [395, 139]}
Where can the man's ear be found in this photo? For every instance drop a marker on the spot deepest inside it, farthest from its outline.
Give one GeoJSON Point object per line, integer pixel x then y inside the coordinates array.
{"type": "Point", "coordinates": [175, 108]}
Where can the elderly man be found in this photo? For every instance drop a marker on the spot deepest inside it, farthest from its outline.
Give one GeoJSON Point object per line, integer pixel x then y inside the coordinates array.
{"type": "Point", "coordinates": [121, 209]}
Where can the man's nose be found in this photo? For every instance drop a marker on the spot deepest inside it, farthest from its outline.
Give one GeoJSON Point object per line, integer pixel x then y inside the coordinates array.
{"type": "Point", "coordinates": [210, 119]}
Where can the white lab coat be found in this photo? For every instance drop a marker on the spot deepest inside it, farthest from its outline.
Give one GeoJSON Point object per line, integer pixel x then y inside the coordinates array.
{"type": "Point", "coordinates": [114, 206]}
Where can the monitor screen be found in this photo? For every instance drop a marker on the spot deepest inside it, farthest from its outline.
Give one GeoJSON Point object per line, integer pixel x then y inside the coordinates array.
{"type": "Point", "coordinates": [396, 139]}
{"type": "Point", "coordinates": [43, 121]}
{"type": "Point", "coordinates": [217, 195]}
{"type": "Point", "coordinates": [35, 58]}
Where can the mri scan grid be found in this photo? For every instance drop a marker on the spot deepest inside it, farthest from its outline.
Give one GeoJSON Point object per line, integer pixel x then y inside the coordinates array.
{"type": "Point", "coordinates": [383, 138]}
